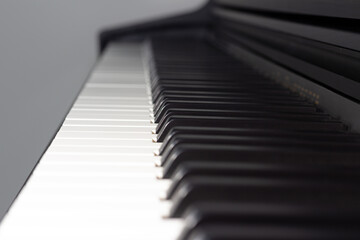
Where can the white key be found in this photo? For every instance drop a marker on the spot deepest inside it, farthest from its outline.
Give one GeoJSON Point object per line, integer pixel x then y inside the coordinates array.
{"type": "Point", "coordinates": [107, 128]}
{"type": "Point", "coordinates": [113, 92]}
{"type": "Point", "coordinates": [109, 115]}
{"type": "Point", "coordinates": [122, 103]}
{"type": "Point", "coordinates": [108, 123]}
{"type": "Point", "coordinates": [103, 135]}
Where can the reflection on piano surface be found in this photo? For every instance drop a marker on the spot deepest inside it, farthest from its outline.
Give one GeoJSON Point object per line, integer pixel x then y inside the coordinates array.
{"type": "Point", "coordinates": [207, 133]}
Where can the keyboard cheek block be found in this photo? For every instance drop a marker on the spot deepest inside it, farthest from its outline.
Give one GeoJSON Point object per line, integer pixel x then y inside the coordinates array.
{"type": "Point", "coordinates": [247, 158]}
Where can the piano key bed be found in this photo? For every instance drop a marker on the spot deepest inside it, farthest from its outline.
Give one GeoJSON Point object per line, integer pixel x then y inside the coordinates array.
{"type": "Point", "coordinates": [174, 139]}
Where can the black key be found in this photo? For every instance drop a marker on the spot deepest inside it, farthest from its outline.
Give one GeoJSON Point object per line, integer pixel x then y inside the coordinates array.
{"type": "Point", "coordinates": [207, 131]}
{"type": "Point", "coordinates": [271, 232]}
{"type": "Point", "coordinates": [348, 175]}
{"type": "Point", "coordinates": [158, 82]}
{"type": "Point", "coordinates": [195, 190]}
{"type": "Point", "coordinates": [239, 98]}
{"type": "Point", "coordinates": [244, 141]}
{"type": "Point", "coordinates": [257, 154]}
{"type": "Point", "coordinates": [231, 106]}
{"type": "Point", "coordinates": [248, 216]}
{"type": "Point", "coordinates": [209, 76]}
{"type": "Point", "coordinates": [240, 114]}
{"type": "Point", "coordinates": [224, 89]}
{"type": "Point", "coordinates": [260, 94]}
{"type": "Point", "coordinates": [241, 101]}
{"type": "Point", "coordinates": [237, 122]}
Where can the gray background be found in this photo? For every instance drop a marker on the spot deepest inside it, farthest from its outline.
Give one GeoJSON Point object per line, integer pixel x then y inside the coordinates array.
{"type": "Point", "coordinates": [47, 48]}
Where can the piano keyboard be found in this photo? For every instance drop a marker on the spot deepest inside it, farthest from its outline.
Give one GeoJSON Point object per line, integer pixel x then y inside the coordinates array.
{"type": "Point", "coordinates": [237, 156]}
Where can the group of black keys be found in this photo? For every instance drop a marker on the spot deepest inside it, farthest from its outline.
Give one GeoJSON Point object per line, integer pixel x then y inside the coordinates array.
{"type": "Point", "coordinates": [248, 159]}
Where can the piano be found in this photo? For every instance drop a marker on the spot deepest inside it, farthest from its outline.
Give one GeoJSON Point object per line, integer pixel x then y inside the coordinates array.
{"type": "Point", "coordinates": [237, 121]}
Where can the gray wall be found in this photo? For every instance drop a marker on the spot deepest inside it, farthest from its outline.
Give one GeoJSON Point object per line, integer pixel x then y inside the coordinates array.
{"type": "Point", "coordinates": [47, 49]}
